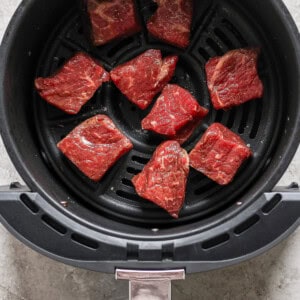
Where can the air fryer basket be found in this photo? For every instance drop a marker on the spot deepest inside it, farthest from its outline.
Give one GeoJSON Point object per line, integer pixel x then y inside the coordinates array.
{"type": "Point", "coordinates": [115, 195]}
{"type": "Point", "coordinates": [105, 225]}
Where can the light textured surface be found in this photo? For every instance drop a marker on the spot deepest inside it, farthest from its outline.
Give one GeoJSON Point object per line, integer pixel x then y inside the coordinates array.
{"type": "Point", "coordinates": [25, 274]}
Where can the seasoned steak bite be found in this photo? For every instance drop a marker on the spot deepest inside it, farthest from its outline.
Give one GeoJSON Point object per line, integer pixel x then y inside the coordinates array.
{"type": "Point", "coordinates": [112, 19]}
{"type": "Point", "coordinates": [233, 78]}
{"type": "Point", "coordinates": [73, 85]}
{"type": "Point", "coordinates": [163, 180]}
{"type": "Point", "coordinates": [143, 77]}
{"type": "Point", "coordinates": [94, 146]}
{"type": "Point", "coordinates": [172, 22]}
{"type": "Point", "coordinates": [219, 154]}
{"type": "Point", "coordinates": [174, 109]}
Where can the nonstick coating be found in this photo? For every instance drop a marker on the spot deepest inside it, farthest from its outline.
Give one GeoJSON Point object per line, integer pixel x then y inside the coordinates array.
{"type": "Point", "coordinates": [31, 128]}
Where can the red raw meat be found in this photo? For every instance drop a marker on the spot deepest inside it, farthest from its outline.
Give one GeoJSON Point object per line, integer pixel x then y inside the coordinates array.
{"type": "Point", "coordinates": [219, 154]}
{"type": "Point", "coordinates": [172, 22]}
{"type": "Point", "coordinates": [174, 109]}
{"type": "Point", "coordinates": [94, 146]}
{"type": "Point", "coordinates": [163, 180]}
{"type": "Point", "coordinates": [112, 19]}
{"type": "Point", "coordinates": [143, 77]}
{"type": "Point", "coordinates": [233, 78]}
{"type": "Point", "coordinates": [73, 85]}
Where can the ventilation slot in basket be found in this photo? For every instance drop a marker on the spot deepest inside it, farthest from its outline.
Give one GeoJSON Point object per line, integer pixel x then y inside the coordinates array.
{"type": "Point", "coordinates": [256, 124]}
{"type": "Point", "coordinates": [224, 38]}
{"type": "Point", "coordinates": [244, 120]}
{"type": "Point", "coordinates": [216, 241]}
{"type": "Point", "coordinates": [246, 225]}
{"type": "Point", "coordinates": [271, 205]}
{"type": "Point", "coordinates": [204, 54]}
{"type": "Point", "coordinates": [133, 171]}
{"type": "Point", "coordinates": [127, 182]}
{"type": "Point", "coordinates": [234, 31]}
{"type": "Point", "coordinates": [80, 239]}
{"type": "Point", "coordinates": [128, 196]}
{"type": "Point", "coordinates": [29, 203]}
{"type": "Point", "coordinates": [214, 46]}
{"type": "Point", "coordinates": [54, 224]}
{"type": "Point", "coordinates": [140, 160]}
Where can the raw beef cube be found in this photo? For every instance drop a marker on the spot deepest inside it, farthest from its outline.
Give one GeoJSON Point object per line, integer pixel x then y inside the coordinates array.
{"type": "Point", "coordinates": [163, 180]}
{"type": "Point", "coordinates": [172, 22]}
{"type": "Point", "coordinates": [73, 85]}
{"type": "Point", "coordinates": [112, 19]}
{"type": "Point", "coordinates": [143, 77]}
{"type": "Point", "coordinates": [174, 109]}
{"type": "Point", "coordinates": [94, 146]}
{"type": "Point", "coordinates": [219, 154]}
{"type": "Point", "coordinates": [233, 78]}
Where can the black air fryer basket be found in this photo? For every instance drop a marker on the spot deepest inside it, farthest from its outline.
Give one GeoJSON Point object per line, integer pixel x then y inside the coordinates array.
{"type": "Point", "coordinates": [105, 226]}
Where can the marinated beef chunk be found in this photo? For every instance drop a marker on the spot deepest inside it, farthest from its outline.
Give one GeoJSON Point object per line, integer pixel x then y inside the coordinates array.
{"type": "Point", "coordinates": [172, 22]}
{"type": "Point", "coordinates": [94, 146]}
{"type": "Point", "coordinates": [112, 19]}
{"type": "Point", "coordinates": [173, 110]}
{"type": "Point", "coordinates": [219, 154]}
{"type": "Point", "coordinates": [73, 85]}
{"type": "Point", "coordinates": [143, 77]}
{"type": "Point", "coordinates": [163, 180]}
{"type": "Point", "coordinates": [233, 78]}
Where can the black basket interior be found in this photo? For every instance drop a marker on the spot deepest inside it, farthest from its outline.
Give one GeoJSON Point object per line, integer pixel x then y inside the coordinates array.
{"type": "Point", "coordinates": [218, 27]}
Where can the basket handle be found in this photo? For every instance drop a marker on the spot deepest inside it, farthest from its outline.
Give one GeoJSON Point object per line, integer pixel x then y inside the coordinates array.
{"type": "Point", "coordinates": [150, 284]}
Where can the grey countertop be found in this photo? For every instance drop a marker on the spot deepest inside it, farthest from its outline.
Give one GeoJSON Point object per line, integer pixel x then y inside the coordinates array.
{"type": "Point", "coordinates": [25, 274]}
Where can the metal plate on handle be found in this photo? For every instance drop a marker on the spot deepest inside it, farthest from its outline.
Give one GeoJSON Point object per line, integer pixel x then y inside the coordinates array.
{"type": "Point", "coordinates": [150, 285]}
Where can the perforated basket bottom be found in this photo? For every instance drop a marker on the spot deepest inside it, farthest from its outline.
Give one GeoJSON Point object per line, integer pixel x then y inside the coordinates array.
{"type": "Point", "coordinates": [217, 28]}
